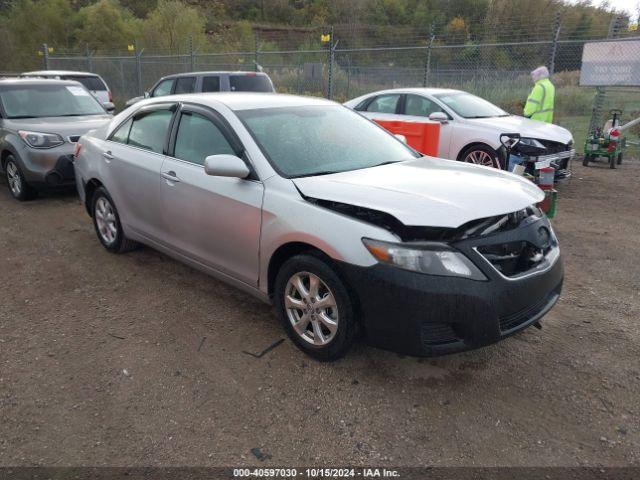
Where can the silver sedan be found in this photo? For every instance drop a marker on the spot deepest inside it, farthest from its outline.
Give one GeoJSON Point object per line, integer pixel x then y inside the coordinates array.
{"type": "Point", "coordinates": [312, 207]}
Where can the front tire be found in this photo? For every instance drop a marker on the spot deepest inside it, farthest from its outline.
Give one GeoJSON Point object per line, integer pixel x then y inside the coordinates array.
{"type": "Point", "coordinates": [18, 186]}
{"type": "Point", "coordinates": [481, 155]}
{"type": "Point", "coordinates": [612, 161]}
{"type": "Point", "coordinates": [586, 160]}
{"type": "Point", "coordinates": [315, 307]}
{"type": "Point", "coordinates": [106, 222]}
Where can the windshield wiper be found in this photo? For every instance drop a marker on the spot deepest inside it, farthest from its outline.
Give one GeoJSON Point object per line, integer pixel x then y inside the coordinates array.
{"type": "Point", "coordinates": [18, 117]}
{"type": "Point", "coordinates": [75, 114]}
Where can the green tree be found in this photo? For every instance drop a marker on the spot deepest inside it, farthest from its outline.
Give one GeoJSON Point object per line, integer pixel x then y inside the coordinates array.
{"type": "Point", "coordinates": [31, 23]}
{"type": "Point", "coordinates": [105, 25]}
{"type": "Point", "coordinates": [170, 26]}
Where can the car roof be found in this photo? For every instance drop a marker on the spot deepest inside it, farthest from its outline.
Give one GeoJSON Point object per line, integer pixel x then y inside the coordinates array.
{"type": "Point", "coordinates": [427, 91]}
{"type": "Point", "coordinates": [37, 81]}
{"type": "Point", "coordinates": [242, 100]}
{"type": "Point", "coordinates": [60, 72]}
{"type": "Point", "coordinates": [215, 72]}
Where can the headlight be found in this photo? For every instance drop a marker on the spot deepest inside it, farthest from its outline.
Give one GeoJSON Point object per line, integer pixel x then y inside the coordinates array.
{"type": "Point", "coordinates": [40, 140]}
{"type": "Point", "coordinates": [532, 142]}
{"type": "Point", "coordinates": [432, 259]}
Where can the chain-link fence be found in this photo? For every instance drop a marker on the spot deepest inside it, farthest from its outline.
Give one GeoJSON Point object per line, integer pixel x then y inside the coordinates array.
{"type": "Point", "coordinates": [346, 61]}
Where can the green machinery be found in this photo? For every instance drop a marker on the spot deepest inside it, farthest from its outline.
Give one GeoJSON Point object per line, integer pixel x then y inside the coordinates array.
{"type": "Point", "coordinates": [608, 142]}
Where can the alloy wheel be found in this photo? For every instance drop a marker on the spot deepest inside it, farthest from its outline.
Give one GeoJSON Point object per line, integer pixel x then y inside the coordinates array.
{"type": "Point", "coordinates": [106, 220]}
{"type": "Point", "coordinates": [311, 308]}
{"type": "Point", "coordinates": [14, 179]}
{"type": "Point", "coordinates": [480, 157]}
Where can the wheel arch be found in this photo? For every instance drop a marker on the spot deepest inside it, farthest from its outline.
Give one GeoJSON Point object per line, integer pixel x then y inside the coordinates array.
{"type": "Point", "coordinates": [89, 189]}
{"type": "Point", "coordinates": [283, 253]}
{"type": "Point", "coordinates": [477, 143]}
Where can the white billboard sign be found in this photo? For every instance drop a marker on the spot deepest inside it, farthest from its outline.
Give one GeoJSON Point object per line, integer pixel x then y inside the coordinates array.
{"type": "Point", "coordinates": [615, 63]}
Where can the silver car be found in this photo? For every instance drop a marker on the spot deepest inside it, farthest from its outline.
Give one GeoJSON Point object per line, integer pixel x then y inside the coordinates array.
{"type": "Point", "coordinates": [40, 123]}
{"type": "Point", "coordinates": [312, 207]}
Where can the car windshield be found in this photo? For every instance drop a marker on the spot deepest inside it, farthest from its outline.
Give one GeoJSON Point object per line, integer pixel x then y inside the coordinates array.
{"type": "Point", "coordinates": [318, 140]}
{"type": "Point", "coordinates": [33, 101]}
{"type": "Point", "coordinates": [250, 83]}
{"type": "Point", "coordinates": [470, 106]}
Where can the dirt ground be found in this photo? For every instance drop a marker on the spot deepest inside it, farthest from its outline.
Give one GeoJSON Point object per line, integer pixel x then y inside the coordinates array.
{"type": "Point", "coordinates": [138, 360]}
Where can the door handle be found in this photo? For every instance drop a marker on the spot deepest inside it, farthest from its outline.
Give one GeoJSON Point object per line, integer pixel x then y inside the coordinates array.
{"type": "Point", "coordinates": [107, 155]}
{"type": "Point", "coordinates": [171, 176]}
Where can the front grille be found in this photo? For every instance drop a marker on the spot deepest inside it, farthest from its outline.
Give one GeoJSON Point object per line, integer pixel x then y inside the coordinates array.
{"type": "Point", "coordinates": [437, 334]}
{"type": "Point", "coordinates": [74, 138]}
{"type": "Point", "coordinates": [514, 258]}
{"type": "Point", "coordinates": [510, 323]}
{"type": "Point", "coordinates": [554, 147]}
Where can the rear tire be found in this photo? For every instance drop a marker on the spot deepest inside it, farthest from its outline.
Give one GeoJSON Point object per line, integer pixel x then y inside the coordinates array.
{"type": "Point", "coordinates": [620, 158]}
{"type": "Point", "coordinates": [315, 307]}
{"type": "Point", "coordinates": [586, 160]}
{"type": "Point", "coordinates": [612, 161]}
{"type": "Point", "coordinates": [106, 222]}
{"type": "Point", "coordinates": [18, 186]}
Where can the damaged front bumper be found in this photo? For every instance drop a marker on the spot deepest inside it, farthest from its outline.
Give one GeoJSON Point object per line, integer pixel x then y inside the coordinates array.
{"type": "Point", "coordinates": [425, 315]}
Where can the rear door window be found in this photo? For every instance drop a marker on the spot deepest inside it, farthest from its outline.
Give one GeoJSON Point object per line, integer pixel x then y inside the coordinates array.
{"type": "Point", "coordinates": [149, 130]}
{"type": "Point", "coordinates": [90, 82]}
{"type": "Point", "coordinates": [185, 85]}
{"type": "Point", "coordinates": [163, 88]}
{"type": "Point", "coordinates": [250, 83]}
{"type": "Point", "coordinates": [211, 84]}
{"type": "Point", "coordinates": [420, 106]}
{"type": "Point", "coordinates": [384, 104]}
{"type": "Point", "coordinates": [198, 137]}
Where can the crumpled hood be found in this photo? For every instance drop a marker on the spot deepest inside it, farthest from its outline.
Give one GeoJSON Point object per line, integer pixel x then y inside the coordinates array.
{"type": "Point", "coordinates": [63, 126]}
{"type": "Point", "coordinates": [428, 192]}
{"type": "Point", "coordinates": [525, 127]}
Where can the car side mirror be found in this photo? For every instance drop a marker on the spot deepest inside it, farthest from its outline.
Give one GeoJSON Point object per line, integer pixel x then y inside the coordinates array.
{"type": "Point", "coordinates": [400, 137]}
{"type": "Point", "coordinates": [226, 166]}
{"type": "Point", "coordinates": [147, 94]}
{"type": "Point", "coordinates": [439, 117]}
{"type": "Point", "coordinates": [109, 107]}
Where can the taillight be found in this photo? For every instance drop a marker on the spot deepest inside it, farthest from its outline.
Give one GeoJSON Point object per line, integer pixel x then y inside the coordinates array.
{"type": "Point", "coordinates": [110, 96]}
{"type": "Point", "coordinates": [76, 152]}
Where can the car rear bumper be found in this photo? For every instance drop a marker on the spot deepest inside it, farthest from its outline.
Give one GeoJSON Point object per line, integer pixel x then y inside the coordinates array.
{"type": "Point", "coordinates": [426, 315]}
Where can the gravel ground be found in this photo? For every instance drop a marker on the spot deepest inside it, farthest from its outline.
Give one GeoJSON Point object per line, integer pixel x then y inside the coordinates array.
{"type": "Point", "coordinates": [138, 360]}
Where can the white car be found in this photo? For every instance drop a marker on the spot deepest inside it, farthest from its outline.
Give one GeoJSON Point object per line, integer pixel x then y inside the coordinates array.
{"type": "Point", "coordinates": [91, 81]}
{"type": "Point", "coordinates": [470, 126]}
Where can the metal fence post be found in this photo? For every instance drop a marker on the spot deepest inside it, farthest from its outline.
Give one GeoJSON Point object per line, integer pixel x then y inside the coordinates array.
{"type": "Point", "coordinates": [89, 61]}
{"type": "Point", "coordinates": [427, 60]}
{"type": "Point", "coordinates": [601, 92]}
{"type": "Point", "coordinates": [45, 55]}
{"type": "Point", "coordinates": [256, 58]}
{"type": "Point", "coordinates": [192, 55]}
{"type": "Point", "coordinates": [331, 58]}
{"type": "Point", "coordinates": [554, 44]}
{"type": "Point", "coordinates": [138, 67]}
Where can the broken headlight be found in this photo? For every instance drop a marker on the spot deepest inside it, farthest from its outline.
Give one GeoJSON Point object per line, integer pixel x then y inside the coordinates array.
{"type": "Point", "coordinates": [530, 147]}
{"type": "Point", "coordinates": [429, 258]}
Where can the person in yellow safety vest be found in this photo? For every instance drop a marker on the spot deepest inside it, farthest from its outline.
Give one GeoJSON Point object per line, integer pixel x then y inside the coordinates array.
{"type": "Point", "coordinates": [539, 105]}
